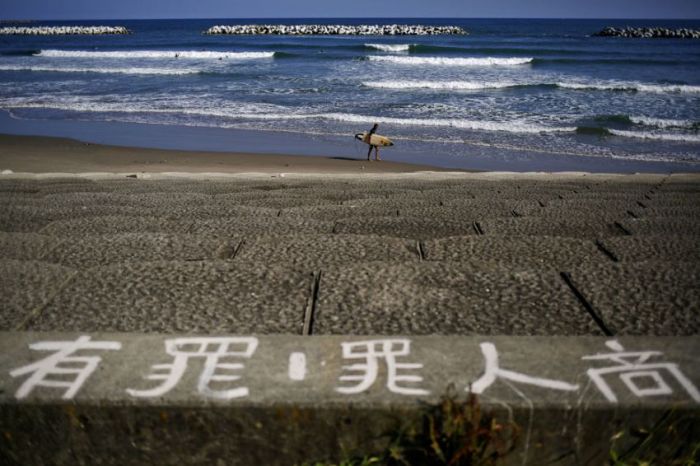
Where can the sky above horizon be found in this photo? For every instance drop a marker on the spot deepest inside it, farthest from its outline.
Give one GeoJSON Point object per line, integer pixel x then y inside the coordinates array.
{"type": "Point", "coordinates": [150, 9]}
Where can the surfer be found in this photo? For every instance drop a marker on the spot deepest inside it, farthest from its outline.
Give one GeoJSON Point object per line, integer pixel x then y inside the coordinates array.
{"type": "Point", "coordinates": [369, 138]}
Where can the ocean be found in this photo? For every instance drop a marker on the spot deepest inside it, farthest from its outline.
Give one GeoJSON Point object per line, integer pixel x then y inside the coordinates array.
{"type": "Point", "coordinates": [510, 95]}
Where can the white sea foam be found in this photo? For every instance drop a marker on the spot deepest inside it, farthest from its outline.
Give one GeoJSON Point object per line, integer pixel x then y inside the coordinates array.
{"type": "Point", "coordinates": [656, 136]}
{"type": "Point", "coordinates": [251, 112]}
{"type": "Point", "coordinates": [631, 86]}
{"type": "Point", "coordinates": [185, 54]}
{"type": "Point", "coordinates": [506, 126]}
{"type": "Point", "coordinates": [442, 85]}
{"type": "Point", "coordinates": [60, 69]}
{"type": "Point", "coordinates": [451, 61]}
{"type": "Point", "coordinates": [662, 122]}
{"type": "Point", "coordinates": [390, 47]}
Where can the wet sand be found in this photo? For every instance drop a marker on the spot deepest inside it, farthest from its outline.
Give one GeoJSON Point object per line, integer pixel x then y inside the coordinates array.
{"type": "Point", "coordinates": [40, 154]}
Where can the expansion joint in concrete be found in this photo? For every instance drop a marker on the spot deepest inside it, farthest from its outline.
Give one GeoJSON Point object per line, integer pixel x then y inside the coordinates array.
{"type": "Point", "coordinates": [595, 315]}
{"type": "Point", "coordinates": [420, 247]}
{"type": "Point", "coordinates": [624, 230]}
{"type": "Point", "coordinates": [310, 310]}
{"type": "Point", "coordinates": [608, 253]}
{"type": "Point", "coordinates": [38, 310]}
{"type": "Point", "coordinates": [237, 249]}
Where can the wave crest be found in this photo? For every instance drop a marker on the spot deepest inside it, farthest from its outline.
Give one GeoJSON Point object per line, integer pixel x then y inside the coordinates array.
{"type": "Point", "coordinates": [449, 61]}
{"type": "Point", "coordinates": [57, 69]}
{"type": "Point", "coordinates": [390, 47]}
{"type": "Point", "coordinates": [186, 54]}
{"type": "Point", "coordinates": [441, 85]}
{"type": "Point", "coordinates": [656, 136]}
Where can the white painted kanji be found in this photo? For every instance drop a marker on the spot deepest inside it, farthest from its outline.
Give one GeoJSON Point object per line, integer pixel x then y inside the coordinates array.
{"type": "Point", "coordinates": [632, 366]}
{"type": "Point", "coordinates": [493, 371]}
{"type": "Point", "coordinates": [212, 350]}
{"type": "Point", "coordinates": [61, 365]}
{"type": "Point", "coordinates": [370, 351]}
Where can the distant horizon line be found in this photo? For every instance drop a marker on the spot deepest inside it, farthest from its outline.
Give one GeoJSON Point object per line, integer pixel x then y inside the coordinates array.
{"type": "Point", "coordinates": [5, 20]}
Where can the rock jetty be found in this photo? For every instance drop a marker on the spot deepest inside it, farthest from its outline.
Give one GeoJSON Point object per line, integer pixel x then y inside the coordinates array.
{"type": "Point", "coordinates": [63, 30]}
{"type": "Point", "coordinates": [337, 29]}
{"type": "Point", "coordinates": [650, 33]}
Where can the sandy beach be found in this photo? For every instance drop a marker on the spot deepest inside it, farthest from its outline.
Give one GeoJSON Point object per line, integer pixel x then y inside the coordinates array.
{"type": "Point", "coordinates": [38, 154]}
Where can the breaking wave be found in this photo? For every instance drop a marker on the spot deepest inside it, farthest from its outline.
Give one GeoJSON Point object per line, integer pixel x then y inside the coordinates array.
{"type": "Point", "coordinates": [440, 85]}
{"type": "Point", "coordinates": [449, 61]}
{"type": "Point", "coordinates": [632, 87]}
{"type": "Point", "coordinates": [390, 47]}
{"type": "Point", "coordinates": [592, 86]}
{"type": "Point", "coordinates": [664, 123]}
{"type": "Point", "coordinates": [656, 136]}
{"type": "Point", "coordinates": [186, 54]}
{"type": "Point", "coordinates": [279, 113]}
{"type": "Point", "coordinates": [56, 69]}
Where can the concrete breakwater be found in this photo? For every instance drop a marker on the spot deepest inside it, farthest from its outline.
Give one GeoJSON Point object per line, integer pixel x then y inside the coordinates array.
{"type": "Point", "coordinates": [650, 33]}
{"type": "Point", "coordinates": [64, 30]}
{"type": "Point", "coordinates": [336, 29]}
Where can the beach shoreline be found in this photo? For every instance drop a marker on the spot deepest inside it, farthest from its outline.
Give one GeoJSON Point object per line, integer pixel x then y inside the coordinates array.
{"type": "Point", "coordinates": [41, 154]}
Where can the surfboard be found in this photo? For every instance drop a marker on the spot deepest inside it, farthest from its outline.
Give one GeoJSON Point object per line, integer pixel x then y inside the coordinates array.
{"type": "Point", "coordinates": [375, 140]}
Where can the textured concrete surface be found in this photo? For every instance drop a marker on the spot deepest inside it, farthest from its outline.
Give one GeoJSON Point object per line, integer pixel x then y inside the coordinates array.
{"type": "Point", "coordinates": [99, 250]}
{"type": "Point", "coordinates": [404, 227]}
{"type": "Point", "coordinates": [212, 296]}
{"type": "Point", "coordinates": [534, 226]}
{"type": "Point", "coordinates": [464, 299]}
{"type": "Point", "coordinates": [511, 235]}
{"type": "Point", "coordinates": [319, 251]}
{"type": "Point", "coordinates": [644, 298]}
{"type": "Point", "coordinates": [559, 253]}
{"type": "Point", "coordinates": [26, 286]}
{"type": "Point", "coordinates": [286, 417]}
{"type": "Point", "coordinates": [649, 248]}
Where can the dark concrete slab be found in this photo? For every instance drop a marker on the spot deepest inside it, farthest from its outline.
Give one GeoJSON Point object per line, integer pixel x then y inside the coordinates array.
{"type": "Point", "coordinates": [558, 253]}
{"type": "Point", "coordinates": [682, 212]}
{"type": "Point", "coordinates": [461, 213]}
{"type": "Point", "coordinates": [442, 298]}
{"type": "Point", "coordinates": [288, 201]}
{"type": "Point", "coordinates": [406, 201]}
{"type": "Point", "coordinates": [92, 251]}
{"type": "Point", "coordinates": [26, 286]}
{"type": "Point", "coordinates": [115, 224]}
{"type": "Point", "coordinates": [319, 251]}
{"type": "Point", "coordinates": [337, 212]}
{"type": "Point", "coordinates": [653, 248]}
{"type": "Point", "coordinates": [662, 226]}
{"type": "Point", "coordinates": [404, 227]}
{"type": "Point", "coordinates": [26, 246]}
{"type": "Point", "coordinates": [543, 226]}
{"type": "Point", "coordinates": [254, 226]}
{"type": "Point", "coordinates": [645, 298]}
{"type": "Point", "coordinates": [18, 219]}
{"type": "Point", "coordinates": [196, 297]}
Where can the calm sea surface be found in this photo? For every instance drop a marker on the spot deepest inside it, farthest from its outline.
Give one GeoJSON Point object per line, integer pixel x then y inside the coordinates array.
{"type": "Point", "coordinates": [524, 86]}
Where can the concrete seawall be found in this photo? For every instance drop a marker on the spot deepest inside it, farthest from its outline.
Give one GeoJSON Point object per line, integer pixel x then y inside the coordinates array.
{"type": "Point", "coordinates": [261, 319]}
{"type": "Point", "coordinates": [134, 398]}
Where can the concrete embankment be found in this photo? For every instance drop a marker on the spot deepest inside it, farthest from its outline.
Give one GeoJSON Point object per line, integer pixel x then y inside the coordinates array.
{"type": "Point", "coordinates": [650, 33]}
{"type": "Point", "coordinates": [63, 30]}
{"type": "Point", "coordinates": [336, 29]}
{"type": "Point", "coordinates": [262, 319]}
{"type": "Point", "coordinates": [237, 399]}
